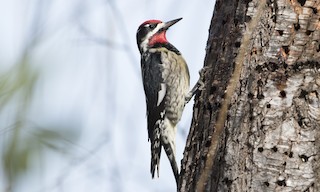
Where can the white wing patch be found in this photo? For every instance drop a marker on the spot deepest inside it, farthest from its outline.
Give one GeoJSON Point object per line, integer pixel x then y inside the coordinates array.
{"type": "Point", "coordinates": [161, 93]}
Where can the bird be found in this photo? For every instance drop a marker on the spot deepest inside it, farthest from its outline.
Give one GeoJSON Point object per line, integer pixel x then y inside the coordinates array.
{"type": "Point", "coordinates": [166, 79]}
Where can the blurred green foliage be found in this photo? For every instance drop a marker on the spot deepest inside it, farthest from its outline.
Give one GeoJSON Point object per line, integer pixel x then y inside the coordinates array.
{"type": "Point", "coordinates": [16, 86]}
{"type": "Point", "coordinates": [22, 146]}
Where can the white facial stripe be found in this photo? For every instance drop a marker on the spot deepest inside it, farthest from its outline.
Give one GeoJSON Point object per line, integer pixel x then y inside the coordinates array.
{"type": "Point", "coordinates": [144, 43]}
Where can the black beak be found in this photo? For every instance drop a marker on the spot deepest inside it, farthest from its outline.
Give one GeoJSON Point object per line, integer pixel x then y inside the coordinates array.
{"type": "Point", "coordinates": [170, 23]}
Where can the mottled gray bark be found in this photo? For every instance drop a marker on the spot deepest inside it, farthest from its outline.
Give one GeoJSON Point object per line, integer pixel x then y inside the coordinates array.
{"type": "Point", "coordinates": [263, 84]}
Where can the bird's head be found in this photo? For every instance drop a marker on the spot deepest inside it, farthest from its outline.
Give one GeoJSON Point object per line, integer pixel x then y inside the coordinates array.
{"type": "Point", "coordinates": [153, 32]}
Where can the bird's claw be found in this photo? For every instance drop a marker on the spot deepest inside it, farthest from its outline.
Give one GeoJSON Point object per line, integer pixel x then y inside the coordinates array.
{"type": "Point", "coordinates": [200, 83]}
{"type": "Point", "coordinates": [199, 86]}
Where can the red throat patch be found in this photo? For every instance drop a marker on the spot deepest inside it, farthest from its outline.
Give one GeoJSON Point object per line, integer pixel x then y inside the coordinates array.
{"type": "Point", "coordinates": [158, 38]}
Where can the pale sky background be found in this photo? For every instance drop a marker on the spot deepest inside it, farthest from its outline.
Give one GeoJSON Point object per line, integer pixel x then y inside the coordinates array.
{"type": "Point", "coordinates": [88, 91]}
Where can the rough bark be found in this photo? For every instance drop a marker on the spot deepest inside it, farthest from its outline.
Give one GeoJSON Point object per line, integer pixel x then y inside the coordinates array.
{"type": "Point", "coordinates": [263, 60]}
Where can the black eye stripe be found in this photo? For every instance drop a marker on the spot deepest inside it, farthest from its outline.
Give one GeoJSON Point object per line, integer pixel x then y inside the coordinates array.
{"type": "Point", "coordinates": [141, 33]}
{"type": "Point", "coordinates": [150, 26]}
{"type": "Point", "coordinates": [144, 30]}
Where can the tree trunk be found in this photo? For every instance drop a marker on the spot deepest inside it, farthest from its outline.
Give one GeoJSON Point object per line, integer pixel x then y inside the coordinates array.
{"type": "Point", "coordinates": [256, 124]}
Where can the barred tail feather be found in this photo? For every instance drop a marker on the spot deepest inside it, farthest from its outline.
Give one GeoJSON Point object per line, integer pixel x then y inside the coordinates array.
{"type": "Point", "coordinates": [168, 134]}
{"type": "Point", "coordinates": [172, 158]}
{"type": "Point", "coordinates": [155, 152]}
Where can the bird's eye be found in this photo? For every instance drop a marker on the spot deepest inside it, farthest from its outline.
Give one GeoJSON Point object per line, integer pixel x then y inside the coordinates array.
{"type": "Point", "coordinates": [152, 26]}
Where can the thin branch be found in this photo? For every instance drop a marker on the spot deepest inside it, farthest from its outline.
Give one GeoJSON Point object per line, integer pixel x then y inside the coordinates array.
{"type": "Point", "coordinates": [125, 35]}
{"type": "Point", "coordinates": [102, 41]}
